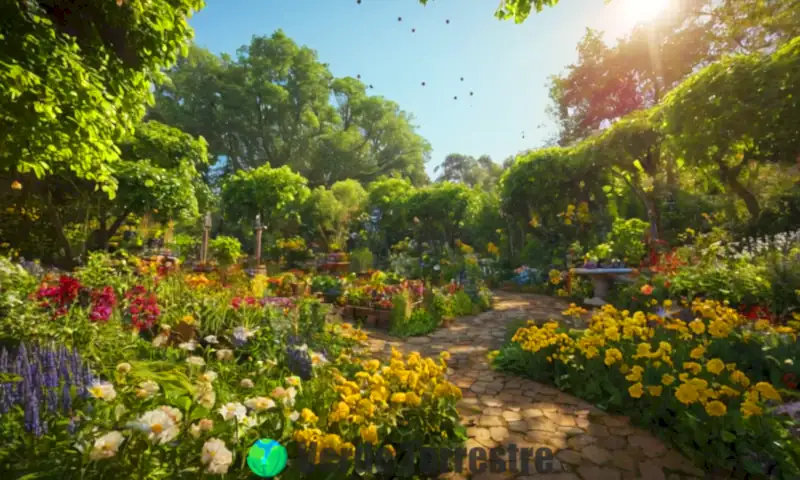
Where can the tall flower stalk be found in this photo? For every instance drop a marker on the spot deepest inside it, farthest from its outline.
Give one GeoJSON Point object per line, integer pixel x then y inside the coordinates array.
{"type": "Point", "coordinates": [38, 379]}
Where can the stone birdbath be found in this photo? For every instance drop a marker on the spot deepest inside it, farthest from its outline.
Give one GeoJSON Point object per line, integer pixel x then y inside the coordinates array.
{"type": "Point", "coordinates": [602, 280]}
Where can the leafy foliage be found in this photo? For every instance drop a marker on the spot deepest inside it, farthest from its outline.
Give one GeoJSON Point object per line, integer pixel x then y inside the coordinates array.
{"type": "Point", "coordinates": [66, 69]}
{"type": "Point", "coordinates": [274, 85]}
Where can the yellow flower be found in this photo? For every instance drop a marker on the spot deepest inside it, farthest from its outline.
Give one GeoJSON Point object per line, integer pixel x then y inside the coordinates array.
{"type": "Point", "coordinates": [749, 409]}
{"type": "Point", "coordinates": [693, 367]}
{"type": "Point", "coordinates": [715, 366]}
{"type": "Point", "coordinates": [738, 377]}
{"type": "Point", "coordinates": [687, 394]}
{"type": "Point", "coordinates": [667, 303]}
{"type": "Point", "coordinates": [697, 326]}
{"type": "Point", "coordinates": [667, 379]}
{"type": "Point", "coordinates": [767, 391]}
{"type": "Point", "coordinates": [761, 325]}
{"type": "Point", "coordinates": [719, 328]}
{"type": "Point", "coordinates": [655, 390]}
{"type": "Point", "coordinates": [636, 374]}
{"type": "Point", "coordinates": [340, 413]}
{"type": "Point", "coordinates": [369, 434]}
{"type": "Point", "coordinates": [716, 408]}
{"type": "Point", "coordinates": [308, 416]}
{"type": "Point", "coordinates": [729, 392]}
{"type": "Point", "coordinates": [643, 350]}
{"type": "Point", "coordinates": [697, 352]}
{"type": "Point", "coordinates": [390, 449]}
{"type": "Point", "coordinates": [624, 368]}
{"type": "Point", "coordinates": [371, 365]}
{"type": "Point", "coordinates": [613, 355]}
{"type": "Point", "coordinates": [412, 399]}
{"type": "Point", "coordinates": [15, 185]}
{"type": "Point", "coordinates": [636, 390]}
{"type": "Point", "coordinates": [445, 355]}
{"type": "Point", "coordinates": [188, 319]}
{"type": "Point", "coordinates": [398, 397]}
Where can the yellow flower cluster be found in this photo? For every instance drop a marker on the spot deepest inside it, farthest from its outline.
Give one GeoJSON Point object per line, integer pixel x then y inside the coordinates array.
{"type": "Point", "coordinates": [555, 277]}
{"type": "Point", "coordinates": [197, 281]}
{"type": "Point", "coordinates": [638, 345]}
{"type": "Point", "coordinates": [556, 344]}
{"type": "Point", "coordinates": [573, 311]}
{"type": "Point", "coordinates": [376, 395]}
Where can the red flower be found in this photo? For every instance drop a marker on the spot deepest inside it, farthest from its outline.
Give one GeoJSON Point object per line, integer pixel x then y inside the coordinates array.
{"type": "Point", "coordinates": [646, 289]}
{"type": "Point", "coordinates": [790, 380]}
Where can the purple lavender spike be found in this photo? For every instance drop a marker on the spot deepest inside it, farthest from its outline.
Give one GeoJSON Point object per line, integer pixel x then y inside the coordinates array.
{"type": "Point", "coordinates": [66, 398]}
{"type": "Point", "coordinates": [4, 366]}
{"type": "Point", "coordinates": [72, 427]}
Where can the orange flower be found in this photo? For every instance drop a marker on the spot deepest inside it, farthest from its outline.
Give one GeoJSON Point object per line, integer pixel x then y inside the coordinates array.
{"type": "Point", "coordinates": [15, 185]}
{"type": "Point", "coordinates": [646, 289]}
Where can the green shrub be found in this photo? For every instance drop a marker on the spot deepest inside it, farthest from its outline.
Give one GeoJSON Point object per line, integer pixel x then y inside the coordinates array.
{"type": "Point", "coordinates": [627, 239]}
{"type": "Point", "coordinates": [401, 311]}
{"type": "Point", "coordinates": [421, 322]}
{"type": "Point", "coordinates": [439, 305]}
{"type": "Point", "coordinates": [225, 250]}
{"type": "Point", "coordinates": [186, 245]}
{"type": "Point", "coordinates": [361, 260]}
{"type": "Point", "coordinates": [324, 283]}
{"type": "Point", "coordinates": [462, 304]}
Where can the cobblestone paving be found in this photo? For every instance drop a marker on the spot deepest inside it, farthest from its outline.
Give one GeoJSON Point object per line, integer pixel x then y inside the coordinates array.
{"type": "Point", "coordinates": [500, 409]}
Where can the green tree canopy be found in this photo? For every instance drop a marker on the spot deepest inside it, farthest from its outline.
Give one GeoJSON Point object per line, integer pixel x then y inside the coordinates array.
{"type": "Point", "coordinates": [736, 114]}
{"type": "Point", "coordinates": [278, 195]}
{"type": "Point", "coordinates": [156, 176]}
{"type": "Point", "coordinates": [475, 172]}
{"type": "Point", "coordinates": [272, 104]}
{"type": "Point", "coordinates": [75, 77]}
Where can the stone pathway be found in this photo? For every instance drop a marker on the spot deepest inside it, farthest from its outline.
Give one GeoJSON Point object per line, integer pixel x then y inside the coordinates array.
{"type": "Point", "coordinates": [500, 409]}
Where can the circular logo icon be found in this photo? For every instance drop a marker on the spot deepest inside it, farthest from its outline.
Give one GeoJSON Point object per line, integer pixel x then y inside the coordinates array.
{"type": "Point", "coordinates": [267, 458]}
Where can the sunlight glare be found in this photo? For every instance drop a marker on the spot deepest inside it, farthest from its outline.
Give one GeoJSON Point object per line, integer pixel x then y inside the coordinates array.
{"type": "Point", "coordinates": [643, 10]}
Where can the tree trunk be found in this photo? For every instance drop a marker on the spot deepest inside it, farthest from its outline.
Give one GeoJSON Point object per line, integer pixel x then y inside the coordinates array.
{"type": "Point", "coordinates": [746, 195]}
{"type": "Point", "coordinates": [730, 177]}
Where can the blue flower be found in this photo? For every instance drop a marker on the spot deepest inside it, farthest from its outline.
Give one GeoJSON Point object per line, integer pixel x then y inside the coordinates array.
{"type": "Point", "coordinates": [47, 376]}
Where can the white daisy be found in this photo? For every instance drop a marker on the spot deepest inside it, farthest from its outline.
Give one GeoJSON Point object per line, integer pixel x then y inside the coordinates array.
{"type": "Point", "coordinates": [147, 389]}
{"type": "Point", "coordinates": [216, 456]}
{"type": "Point", "coordinates": [159, 426]}
{"type": "Point", "coordinates": [259, 404]}
{"type": "Point", "coordinates": [106, 446]}
{"type": "Point", "coordinates": [232, 410]}
{"type": "Point", "coordinates": [196, 361]}
{"type": "Point", "coordinates": [103, 391]}
{"type": "Point", "coordinates": [224, 354]}
{"type": "Point", "coordinates": [246, 383]}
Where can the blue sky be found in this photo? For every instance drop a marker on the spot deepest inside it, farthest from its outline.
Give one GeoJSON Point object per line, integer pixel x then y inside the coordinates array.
{"type": "Point", "coordinates": [506, 65]}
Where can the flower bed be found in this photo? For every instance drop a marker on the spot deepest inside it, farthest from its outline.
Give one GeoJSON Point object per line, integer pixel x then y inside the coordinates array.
{"type": "Point", "coordinates": [101, 388]}
{"type": "Point", "coordinates": [707, 383]}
